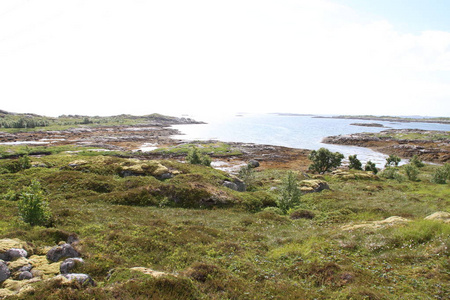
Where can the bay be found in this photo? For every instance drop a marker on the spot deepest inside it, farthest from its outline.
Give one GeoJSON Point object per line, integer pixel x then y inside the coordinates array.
{"type": "Point", "coordinates": [295, 131]}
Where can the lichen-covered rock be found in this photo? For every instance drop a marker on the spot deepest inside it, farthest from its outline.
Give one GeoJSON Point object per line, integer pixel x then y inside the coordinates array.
{"type": "Point", "coordinates": [313, 185]}
{"type": "Point", "coordinates": [79, 277]}
{"type": "Point", "coordinates": [19, 264]}
{"type": "Point", "coordinates": [61, 252]}
{"type": "Point", "coordinates": [69, 264]}
{"type": "Point", "coordinates": [439, 216]}
{"type": "Point", "coordinates": [42, 268]}
{"type": "Point", "coordinates": [4, 271]}
{"type": "Point", "coordinates": [147, 168]}
{"type": "Point", "coordinates": [253, 163]}
{"type": "Point", "coordinates": [394, 220]}
{"type": "Point", "coordinates": [150, 272]}
{"type": "Point", "coordinates": [7, 244]}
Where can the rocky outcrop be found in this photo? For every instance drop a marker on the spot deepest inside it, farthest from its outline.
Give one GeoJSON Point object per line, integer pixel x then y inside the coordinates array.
{"type": "Point", "coordinates": [394, 220]}
{"type": "Point", "coordinates": [4, 271]}
{"type": "Point", "coordinates": [134, 167]}
{"type": "Point", "coordinates": [150, 272]}
{"type": "Point", "coordinates": [235, 184]}
{"type": "Point", "coordinates": [432, 146]}
{"type": "Point", "coordinates": [69, 264]}
{"type": "Point", "coordinates": [62, 251]}
{"type": "Point", "coordinates": [361, 175]}
{"type": "Point", "coordinates": [313, 186]}
{"type": "Point", "coordinates": [19, 271]}
{"type": "Point", "coordinates": [439, 216]}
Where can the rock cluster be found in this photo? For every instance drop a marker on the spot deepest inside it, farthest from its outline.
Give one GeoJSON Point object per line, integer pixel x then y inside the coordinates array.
{"type": "Point", "coordinates": [21, 265]}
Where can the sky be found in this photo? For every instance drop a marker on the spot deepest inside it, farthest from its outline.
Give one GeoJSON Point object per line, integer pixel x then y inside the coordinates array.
{"type": "Point", "coordinates": [199, 57]}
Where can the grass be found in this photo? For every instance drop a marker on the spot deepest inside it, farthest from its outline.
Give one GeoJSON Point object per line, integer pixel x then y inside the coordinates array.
{"type": "Point", "coordinates": [216, 243]}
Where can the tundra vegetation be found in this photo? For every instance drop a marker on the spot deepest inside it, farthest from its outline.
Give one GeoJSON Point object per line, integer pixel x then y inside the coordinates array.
{"type": "Point", "coordinates": [367, 237]}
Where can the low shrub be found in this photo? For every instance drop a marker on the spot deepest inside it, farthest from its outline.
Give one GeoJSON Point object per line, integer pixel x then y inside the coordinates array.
{"type": "Point", "coordinates": [33, 207]}
{"type": "Point", "coordinates": [411, 172]}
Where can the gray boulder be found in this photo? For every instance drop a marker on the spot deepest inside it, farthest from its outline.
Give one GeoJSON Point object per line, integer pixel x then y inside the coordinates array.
{"type": "Point", "coordinates": [4, 271]}
{"type": "Point", "coordinates": [69, 264]}
{"type": "Point", "coordinates": [25, 275]}
{"type": "Point", "coordinates": [236, 185]}
{"type": "Point", "coordinates": [15, 253]}
{"type": "Point", "coordinates": [253, 163]}
{"type": "Point", "coordinates": [62, 251]}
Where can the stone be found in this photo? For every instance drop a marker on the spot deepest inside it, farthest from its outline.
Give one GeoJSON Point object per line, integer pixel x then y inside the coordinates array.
{"type": "Point", "coordinates": [15, 253]}
{"type": "Point", "coordinates": [62, 251]}
{"type": "Point", "coordinates": [69, 264]}
{"type": "Point", "coordinates": [81, 278]}
{"type": "Point", "coordinates": [25, 275]}
{"type": "Point", "coordinates": [150, 272]}
{"type": "Point", "coordinates": [394, 220]}
{"type": "Point", "coordinates": [18, 264]}
{"type": "Point", "coordinates": [253, 163]}
{"type": "Point", "coordinates": [4, 271]}
{"type": "Point", "coordinates": [42, 268]}
{"type": "Point", "coordinates": [313, 185]}
{"type": "Point", "coordinates": [439, 216]}
{"type": "Point", "coordinates": [236, 185]}
{"type": "Point", "coordinates": [139, 168]}
{"type": "Point", "coordinates": [7, 244]}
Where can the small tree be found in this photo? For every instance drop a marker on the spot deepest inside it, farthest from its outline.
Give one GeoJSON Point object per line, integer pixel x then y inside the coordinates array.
{"type": "Point", "coordinates": [290, 193]}
{"type": "Point", "coordinates": [416, 161]}
{"type": "Point", "coordinates": [441, 174]}
{"type": "Point", "coordinates": [370, 166]}
{"type": "Point", "coordinates": [392, 161]}
{"type": "Point", "coordinates": [32, 206]}
{"type": "Point", "coordinates": [324, 160]}
{"type": "Point", "coordinates": [411, 172]}
{"type": "Point", "coordinates": [247, 174]}
{"type": "Point", "coordinates": [354, 163]}
{"type": "Point", "coordinates": [196, 158]}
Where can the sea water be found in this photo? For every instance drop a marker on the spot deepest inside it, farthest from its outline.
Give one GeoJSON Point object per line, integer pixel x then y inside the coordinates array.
{"type": "Point", "coordinates": [295, 131]}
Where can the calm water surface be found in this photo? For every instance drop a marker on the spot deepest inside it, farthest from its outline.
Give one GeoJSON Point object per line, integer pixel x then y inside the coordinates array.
{"type": "Point", "coordinates": [304, 132]}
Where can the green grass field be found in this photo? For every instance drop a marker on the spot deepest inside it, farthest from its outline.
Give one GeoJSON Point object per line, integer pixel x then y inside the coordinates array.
{"type": "Point", "coordinates": [216, 243]}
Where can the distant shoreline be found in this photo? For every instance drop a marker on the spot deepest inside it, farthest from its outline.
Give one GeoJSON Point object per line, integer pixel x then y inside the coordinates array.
{"type": "Point", "coordinates": [440, 120]}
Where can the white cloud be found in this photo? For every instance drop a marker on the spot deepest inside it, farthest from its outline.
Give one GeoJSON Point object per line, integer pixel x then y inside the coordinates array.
{"type": "Point", "coordinates": [178, 56]}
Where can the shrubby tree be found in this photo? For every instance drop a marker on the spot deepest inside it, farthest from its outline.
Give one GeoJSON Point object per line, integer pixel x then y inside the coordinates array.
{"type": "Point", "coordinates": [196, 158]}
{"type": "Point", "coordinates": [324, 160]}
{"type": "Point", "coordinates": [411, 172]}
{"type": "Point", "coordinates": [416, 161]}
{"type": "Point", "coordinates": [441, 174]}
{"type": "Point", "coordinates": [354, 163]}
{"type": "Point", "coordinates": [247, 175]}
{"type": "Point", "coordinates": [289, 192]}
{"type": "Point", "coordinates": [370, 166]}
{"type": "Point", "coordinates": [392, 161]}
{"type": "Point", "coordinates": [33, 207]}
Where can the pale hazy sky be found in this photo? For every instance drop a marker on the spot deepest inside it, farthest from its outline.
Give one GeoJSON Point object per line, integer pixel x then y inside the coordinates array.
{"type": "Point", "coordinates": [106, 57]}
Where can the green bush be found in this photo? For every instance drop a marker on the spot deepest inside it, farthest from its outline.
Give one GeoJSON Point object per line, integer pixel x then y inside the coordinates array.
{"type": "Point", "coordinates": [324, 160]}
{"type": "Point", "coordinates": [354, 163]}
{"type": "Point", "coordinates": [411, 172]}
{"type": "Point", "coordinates": [392, 173]}
{"type": "Point", "coordinates": [370, 166]}
{"type": "Point", "coordinates": [196, 158]}
{"type": "Point", "coordinates": [247, 175]}
{"type": "Point", "coordinates": [33, 209]}
{"type": "Point", "coordinates": [392, 161]}
{"type": "Point", "coordinates": [290, 193]}
{"type": "Point", "coordinates": [441, 174]}
{"type": "Point", "coordinates": [415, 160]}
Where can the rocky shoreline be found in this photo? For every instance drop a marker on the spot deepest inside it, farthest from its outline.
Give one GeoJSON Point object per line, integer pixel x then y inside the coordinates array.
{"type": "Point", "coordinates": [436, 151]}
